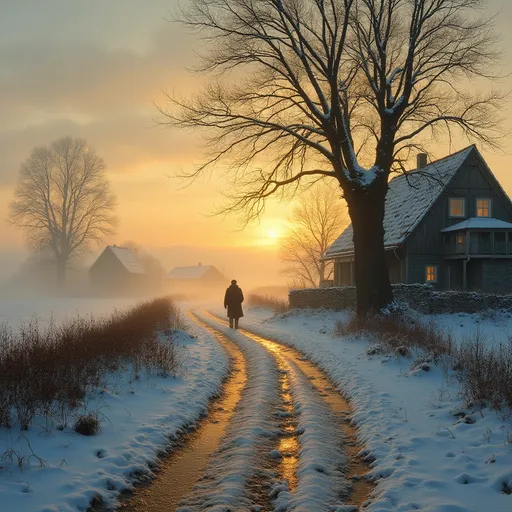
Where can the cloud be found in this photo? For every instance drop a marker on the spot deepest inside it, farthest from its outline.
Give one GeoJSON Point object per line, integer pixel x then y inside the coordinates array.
{"type": "Point", "coordinates": [126, 141]}
{"type": "Point", "coordinates": [106, 94]}
{"type": "Point", "coordinates": [86, 79]}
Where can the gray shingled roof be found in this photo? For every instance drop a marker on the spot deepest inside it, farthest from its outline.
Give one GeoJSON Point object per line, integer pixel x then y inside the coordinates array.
{"type": "Point", "coordinates": [409, 198]}
{"type": "Point", "coordinates": [128, 259]}
{"type": "Point", "coordinates": [478, 223]}
{"type": "Point", "coordinates": [194, 272]}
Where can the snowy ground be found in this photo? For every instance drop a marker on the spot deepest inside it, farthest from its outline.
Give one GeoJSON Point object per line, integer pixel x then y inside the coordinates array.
{"type": "Point", "coordinates": [248, 437]}
{"type": "Point", "coordinates": [423, 457]}
{"type": "Point", "coordinates": [15, 311]}
{"type": "Point", "coordinates": [138, 419]}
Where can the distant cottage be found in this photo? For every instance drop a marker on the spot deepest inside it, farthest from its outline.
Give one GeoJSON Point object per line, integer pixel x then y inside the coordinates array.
{"type": "Point", "coordinates": [196, 279]}
{"type": "Point", "coordinates": [117, 270]}
{"type": "Point", "coordinates": [448, 223]}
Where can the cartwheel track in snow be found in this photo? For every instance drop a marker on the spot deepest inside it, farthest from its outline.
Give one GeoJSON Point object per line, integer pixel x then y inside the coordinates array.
{"type": "Point", "coordinates": [278, 438]}
{"type": "Point", "coordinates": [178, 472]}
{"type": "Point", "coordinates": [329, 470]}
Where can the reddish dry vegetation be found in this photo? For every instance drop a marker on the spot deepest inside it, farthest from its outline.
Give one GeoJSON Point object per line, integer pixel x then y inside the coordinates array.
{"type": "Point", "coordinates": [272, 302]}
{"type": "Point", "coordinates": [483, 371]}
{"type": "Point", "coordinates": [400, 333]}
{"type": "Point", "coordinates": [50, 372]}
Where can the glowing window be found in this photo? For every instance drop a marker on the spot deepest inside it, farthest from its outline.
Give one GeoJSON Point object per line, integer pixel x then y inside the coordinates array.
{"type": "Point", "coordinates": [461, 240]}
{"type": "Point", "coordinates": [457, 207]}
{"type": "Point", "coordinates": [483, 207]}
{"type": "Point", "coordinates": [431, 274]}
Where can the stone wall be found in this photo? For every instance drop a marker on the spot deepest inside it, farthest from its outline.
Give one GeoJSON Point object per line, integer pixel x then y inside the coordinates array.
{"type": "Point", "coordinates": [420, 297]}
{"type": "Point", "coordinates": [497, 275]}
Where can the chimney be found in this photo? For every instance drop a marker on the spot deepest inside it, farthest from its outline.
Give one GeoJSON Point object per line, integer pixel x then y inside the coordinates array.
{"type": "Point", "coordinates": [421, 160]}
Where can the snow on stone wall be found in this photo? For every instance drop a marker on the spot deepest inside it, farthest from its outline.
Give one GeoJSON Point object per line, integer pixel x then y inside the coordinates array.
{"type": "Point", "coordinates": [422, 298]}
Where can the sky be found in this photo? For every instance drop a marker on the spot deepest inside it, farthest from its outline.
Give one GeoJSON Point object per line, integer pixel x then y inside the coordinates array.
{"type": "Point", "coordinates": [95, 69]}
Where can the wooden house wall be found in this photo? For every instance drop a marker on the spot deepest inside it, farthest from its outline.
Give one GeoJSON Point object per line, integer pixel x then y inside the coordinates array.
{"type": "Point", "coordinates": [344, 270]}
{"type": "Point", "coordinates": [425, 246]}
{"type": "Point", "coordinates": [108, 267]}
{"type": "Point", "coordinates": [213, 276]}
{"type": "Point", "coordinates": [110, 275]}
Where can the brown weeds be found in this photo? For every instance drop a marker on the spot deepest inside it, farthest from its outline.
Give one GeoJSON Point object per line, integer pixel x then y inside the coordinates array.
{"type": "Point", "coordinates": [50, 371]}
{"type": "Point", "coordinates": [276, 304]}
{"type": "Point", "coordinates": [400, 333]}
{"type": "Point", "coordinates": [483, 371]}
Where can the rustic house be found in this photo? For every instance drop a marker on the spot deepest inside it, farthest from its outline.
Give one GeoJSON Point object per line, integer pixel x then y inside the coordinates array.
{"type": "Point", "coordinates": [196, 279]}
{"type": "Point", "coordinates": [118, 271]}
{"type": "Point", "coordinates": [448, 223]}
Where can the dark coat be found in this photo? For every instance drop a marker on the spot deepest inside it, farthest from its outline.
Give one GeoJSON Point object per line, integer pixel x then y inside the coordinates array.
{"type": "Point", "coordinates": [233, 301]}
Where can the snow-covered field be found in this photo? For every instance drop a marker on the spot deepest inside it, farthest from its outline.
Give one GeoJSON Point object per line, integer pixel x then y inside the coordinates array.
{"type": "Point", "coordinates": [423, 457]}
{"type": "Point", "coordinates": [15, 311]}
{"type": "Point", "coordinates": [138, 417]}
{"type": "Point", "coordinates": [495, 327]}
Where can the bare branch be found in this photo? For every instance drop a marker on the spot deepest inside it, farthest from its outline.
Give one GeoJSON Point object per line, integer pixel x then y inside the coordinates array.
{"type": "Point", "coordinates": [316, 222]}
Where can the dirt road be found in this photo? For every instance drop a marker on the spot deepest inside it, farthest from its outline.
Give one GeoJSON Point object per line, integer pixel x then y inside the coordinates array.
{"type": "Point", "coordinates": [277, 438]}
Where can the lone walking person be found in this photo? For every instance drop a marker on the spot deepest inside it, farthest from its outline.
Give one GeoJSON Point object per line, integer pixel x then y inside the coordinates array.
{"type": "Point", "coordinates": [233, 302]}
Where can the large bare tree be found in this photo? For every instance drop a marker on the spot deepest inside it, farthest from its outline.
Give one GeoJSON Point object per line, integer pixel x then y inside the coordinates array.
{"type": "Point", "coordinates": [63, 200]}
{"type": "Point", "coordinates": [316, 221]}
{"type": "Point", "coordinates": [342, 89]}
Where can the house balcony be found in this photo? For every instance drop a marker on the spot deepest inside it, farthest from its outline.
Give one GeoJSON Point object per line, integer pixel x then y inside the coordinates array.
{"type": "Point", "coordinates": [481, 237]}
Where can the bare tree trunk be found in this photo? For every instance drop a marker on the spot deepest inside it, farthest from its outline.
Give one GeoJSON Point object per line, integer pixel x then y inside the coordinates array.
{"type": "Point", "coordinates": [321, 273]}
{"type": "Point", "coordinates": [371, 271]}
{"type": "Point", "coordinates": [61, 272]}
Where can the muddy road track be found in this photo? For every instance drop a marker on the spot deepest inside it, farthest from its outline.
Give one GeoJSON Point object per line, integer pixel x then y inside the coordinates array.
{"type": "Point", "coordinates": [278, 437]}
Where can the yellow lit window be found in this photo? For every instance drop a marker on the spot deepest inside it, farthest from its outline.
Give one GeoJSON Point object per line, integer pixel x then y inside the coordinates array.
{"type": "Point", "coordinates": [483, 207]}
{"type": "Point", "coordinates": [461, 239]}
{"type": "Point", "coordinates": [431, 273]}
{"type": "Point", "coordinates": [457, 207]}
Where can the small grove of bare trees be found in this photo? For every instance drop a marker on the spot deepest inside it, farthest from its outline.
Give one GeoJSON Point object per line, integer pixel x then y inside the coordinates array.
{"type": "Point", "coordinates": [155, 271]}
{"type": "Point", "coordinates": [342, 89]}
{"type": "Point", "coordinates": [316, 222]}
{"type": "Point", "coordinates": [63, 200]}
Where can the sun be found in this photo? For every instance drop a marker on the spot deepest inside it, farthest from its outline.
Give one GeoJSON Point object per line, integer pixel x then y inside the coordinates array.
{"type": "Point", "coordinates": [269, 234]}
{"type": "Point", "coordinates": [272, 234]}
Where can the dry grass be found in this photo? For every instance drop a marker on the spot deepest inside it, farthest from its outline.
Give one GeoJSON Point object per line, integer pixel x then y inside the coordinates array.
{"type": "Point", "coordinates": [483, 372]}
{"type": "Point", "coordinates": [273, 302]}
{"type": "Point", "coordinates": [400, 333]}
{"type": "Point", "coordinates": [50, 371]}
{"type": "Point", "coordinates": [87, 424]}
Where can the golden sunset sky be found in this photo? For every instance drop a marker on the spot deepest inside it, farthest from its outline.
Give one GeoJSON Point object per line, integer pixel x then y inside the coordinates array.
{"type": "Point", "coordinates": [95, 69]}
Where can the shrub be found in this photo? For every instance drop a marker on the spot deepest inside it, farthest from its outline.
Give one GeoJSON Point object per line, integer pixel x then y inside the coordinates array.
{"type": "Point", "coordinates": [276, 304]}
{"type": "Point", "coordinates": [87, 424]}
{"type": "Point", "coordinates": [50, 371]}
{"type": "Point", "coordinates": [485, 372]}
{"type": "Point", "coordinates": [400, 332]}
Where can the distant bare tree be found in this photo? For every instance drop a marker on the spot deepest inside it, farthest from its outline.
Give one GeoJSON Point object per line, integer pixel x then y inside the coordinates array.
{"type": "Point", "coordinates": [316, 222]}
{"type": "Point", "coordinates": [155, 271]}
{"type": "Point", "coordinates": [342, 89]}
{"type": "Point", "coordinates": [63, 200]}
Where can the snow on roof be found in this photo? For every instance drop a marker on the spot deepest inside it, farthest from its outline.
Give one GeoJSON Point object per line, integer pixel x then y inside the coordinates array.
{"type": "Point", "coordinates": [128, 259]}
{"type": "Point", "coordinates": [409, 198]}
{"type": "Point", "coordinates": [478, 223]}
{"type": "Point", "coordinates": [194, 272]}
